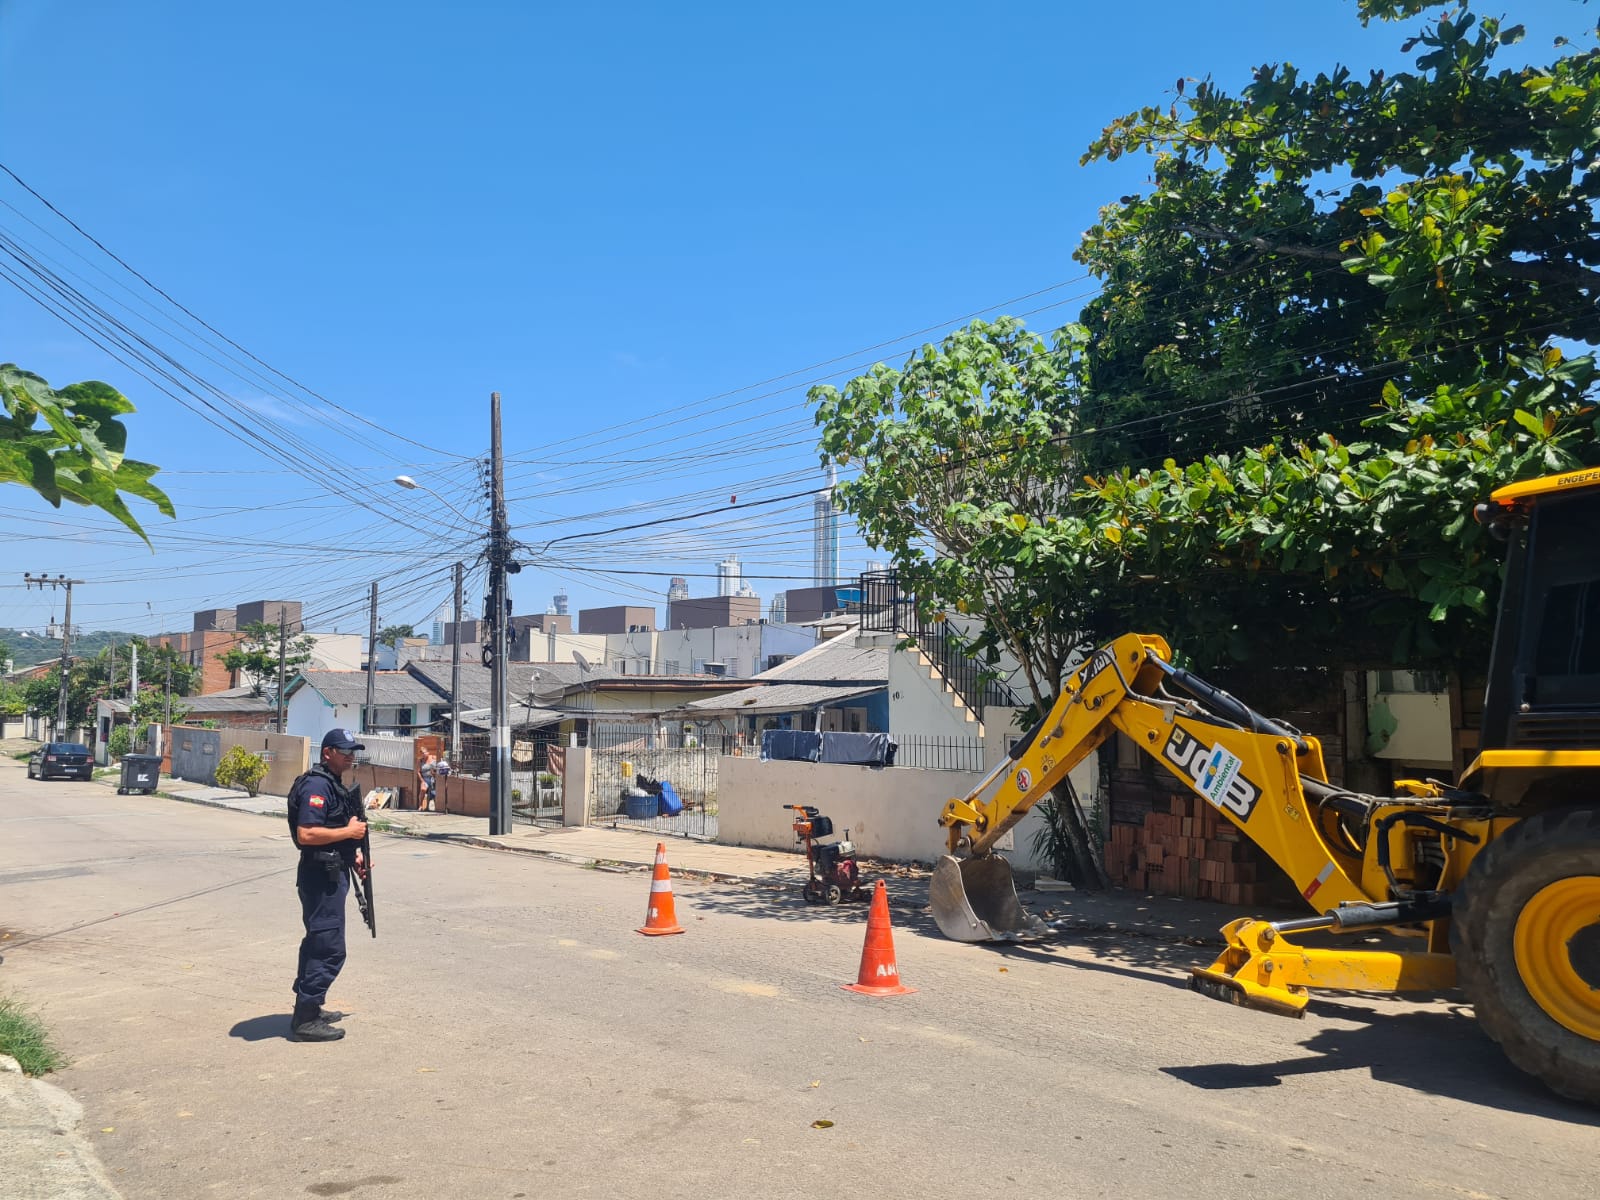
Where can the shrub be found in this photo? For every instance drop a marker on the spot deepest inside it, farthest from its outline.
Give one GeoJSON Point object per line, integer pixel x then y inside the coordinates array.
{"type": "Point", "coordinates": [240, 768]}
{"type": "Point", "coordinates": [120, 742]}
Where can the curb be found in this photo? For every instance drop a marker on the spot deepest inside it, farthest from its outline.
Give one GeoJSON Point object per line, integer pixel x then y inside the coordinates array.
{"type": "Point", "coordinates": [46, 1152]}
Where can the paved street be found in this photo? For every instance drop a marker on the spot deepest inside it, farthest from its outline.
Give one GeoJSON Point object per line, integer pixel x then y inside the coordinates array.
{"type": "Point", "coordinates": [510, 1035]}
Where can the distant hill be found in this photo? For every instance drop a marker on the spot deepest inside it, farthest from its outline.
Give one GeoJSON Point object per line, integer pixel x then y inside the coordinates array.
{"type": "Point", "coordinates": [26, 648]}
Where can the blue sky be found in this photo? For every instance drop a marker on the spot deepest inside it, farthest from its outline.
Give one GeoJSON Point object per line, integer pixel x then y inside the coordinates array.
{"type": "Point", "coordinates": [643, 224]}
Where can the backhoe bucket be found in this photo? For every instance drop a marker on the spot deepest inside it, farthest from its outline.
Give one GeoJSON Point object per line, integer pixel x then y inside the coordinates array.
{"type": "Point", "coordinates": [975, 900]}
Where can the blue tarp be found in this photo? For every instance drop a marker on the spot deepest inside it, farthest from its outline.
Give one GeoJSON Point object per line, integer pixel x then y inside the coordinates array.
{"type": "Point", "coordinates": [671, 806]}
{"type": "Point", "coordinates": [862, 749]}
{"type": "Point", "coordinates": [791, 745]}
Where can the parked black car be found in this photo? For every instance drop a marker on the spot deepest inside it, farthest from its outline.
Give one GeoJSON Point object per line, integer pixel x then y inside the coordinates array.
{"type": "Point", "coordinates": [60, 760]}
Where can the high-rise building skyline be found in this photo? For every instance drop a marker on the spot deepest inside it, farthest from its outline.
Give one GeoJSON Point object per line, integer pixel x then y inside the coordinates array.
{"type": "Point", "coordinates": [825, 535]}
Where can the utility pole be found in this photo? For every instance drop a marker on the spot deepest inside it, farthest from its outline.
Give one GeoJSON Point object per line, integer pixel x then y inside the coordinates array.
{"type": "Point", "coordinates": [372, 663]}
{"type": "Point", "coordinates": [455, 679]}
{"type": "Point", "coordinates": [133, 676]}
{"type": "Point", "coordinates": [283, 640]}
{"type": "Point", "coordinates": [167, 711]}
{"type": "Point", "coordinates": [498, 615]}
{"type": "Point", "coordinates": [61, 581]}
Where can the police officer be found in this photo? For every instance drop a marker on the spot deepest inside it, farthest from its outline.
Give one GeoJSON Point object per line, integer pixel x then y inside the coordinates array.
{"type": "Point", "coordinates": [325, 821]}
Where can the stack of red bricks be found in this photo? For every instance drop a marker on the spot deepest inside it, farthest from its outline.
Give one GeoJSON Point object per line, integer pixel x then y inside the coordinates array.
{"type": "Point", "coordinates": [1187, 848]}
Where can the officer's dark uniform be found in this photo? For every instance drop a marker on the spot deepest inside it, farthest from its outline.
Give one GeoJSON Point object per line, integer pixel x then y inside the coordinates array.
{"type": "Point", "coordinates": [323, 881]}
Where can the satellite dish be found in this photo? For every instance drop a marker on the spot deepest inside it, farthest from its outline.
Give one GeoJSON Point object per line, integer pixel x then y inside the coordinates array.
{"type": "Point", "coordinates": [583, 663]}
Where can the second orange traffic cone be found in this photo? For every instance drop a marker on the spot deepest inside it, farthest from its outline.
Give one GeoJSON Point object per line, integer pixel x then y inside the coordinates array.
{"type": "Point", "coordinates": [879, 974]}
{"type": "Point", "coordinates": [662, 915]}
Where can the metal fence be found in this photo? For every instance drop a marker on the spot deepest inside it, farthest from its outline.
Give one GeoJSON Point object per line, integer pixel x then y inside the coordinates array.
{"type": "Point", "coordinates": [885, 609]}
{"type": "Point", "coordinates": [386, 750]}
{"type": "Point", "coordinates": [620, 754]}
{"type": "Point", "coordinates": [536, 798]}
{"type": "Point", "coordinates": [938, 752]}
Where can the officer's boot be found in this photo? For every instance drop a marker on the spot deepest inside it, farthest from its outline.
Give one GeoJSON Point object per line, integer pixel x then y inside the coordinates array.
{"type": "Point", "coordinates": [309, 1025]}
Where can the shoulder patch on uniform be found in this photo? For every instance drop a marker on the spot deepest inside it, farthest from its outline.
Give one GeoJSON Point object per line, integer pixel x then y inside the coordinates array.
{"type": "Point", "coordinates": [316, 802]}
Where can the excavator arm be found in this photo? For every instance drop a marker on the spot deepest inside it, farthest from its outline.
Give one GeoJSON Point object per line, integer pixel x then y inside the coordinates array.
{"type": "Point", "coordinates": [1254, 771]}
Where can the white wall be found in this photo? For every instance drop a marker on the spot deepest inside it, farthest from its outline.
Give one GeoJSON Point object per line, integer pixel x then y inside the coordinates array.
{"type": "Point", "coordinates": [891, 814]}
{"type": "Point", "coordinates": [780, 638]}
{"type": "Point", "coordinates": [545, 647]}
{"type": "Point", "coordinates": [920, 703]}
{"type": "Point", "coordinates": [308, 715]}
{"type": "Point", "coordinates": [630, 653]}
{"type": "Point", "coordinates": [337, 652]}
{"type": "Point", "coordinates": [1422, 725]}
{"type": "Point", "coordinates": [736, 646]}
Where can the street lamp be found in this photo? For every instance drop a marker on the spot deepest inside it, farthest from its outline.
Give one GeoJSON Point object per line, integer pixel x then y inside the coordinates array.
{"type": "Point", "coordinates": [411, 485]}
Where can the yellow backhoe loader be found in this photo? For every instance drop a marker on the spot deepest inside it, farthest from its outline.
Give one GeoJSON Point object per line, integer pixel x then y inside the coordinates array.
{"type": "Point", "coordinates": [1498, 876]}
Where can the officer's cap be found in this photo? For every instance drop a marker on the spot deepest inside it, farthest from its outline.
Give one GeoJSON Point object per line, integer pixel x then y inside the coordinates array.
{"type": "Point", "coordinates": [340, 739]}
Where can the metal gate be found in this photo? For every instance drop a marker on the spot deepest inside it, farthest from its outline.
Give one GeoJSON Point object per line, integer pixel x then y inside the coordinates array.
{"type": "Point", "coordinates": [536, 798]}
{"type": "Point", "coordinates": [622, 756]}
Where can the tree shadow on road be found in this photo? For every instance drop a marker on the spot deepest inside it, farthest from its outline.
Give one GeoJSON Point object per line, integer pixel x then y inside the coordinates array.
{"type": "Point", "coordinates": [908, 904]}
{"type": "Point", "coordinates": [262, 1029]}
{"type": "Point", "coordinates": [1440, 1052]}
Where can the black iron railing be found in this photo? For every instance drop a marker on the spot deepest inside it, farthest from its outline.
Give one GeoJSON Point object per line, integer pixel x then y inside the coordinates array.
{"type": "Point", "coordinates": [886, 609]}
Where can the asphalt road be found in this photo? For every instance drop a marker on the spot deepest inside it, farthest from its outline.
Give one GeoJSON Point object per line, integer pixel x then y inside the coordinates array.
{"type": "Point", "coordinates": [510, 1035]}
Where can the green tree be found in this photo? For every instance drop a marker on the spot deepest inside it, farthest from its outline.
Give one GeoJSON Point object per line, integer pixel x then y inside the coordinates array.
{"type": "Point", "coordinates": [152, 706]}
{"type": "Point", "coordinates": [957, 455]}
{"type": "Point", "coordinates": [110, 672]}
{"type": "Point", "coordinates": [256, 655]}
{"type": "Point", "coordinates": [69, 445]}
{"type": "Point", "coordinates": [391, 634]}
{"type": "Point", "coordinates": [1295, 382]}
{"type": "Point", "coordinates": [1335, 322]}
{"type": "Point", "coordinates": [41, 696]}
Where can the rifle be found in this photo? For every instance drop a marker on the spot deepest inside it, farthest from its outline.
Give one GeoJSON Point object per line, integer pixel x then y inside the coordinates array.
{"type": "Point", "coordinates": [361, 879]}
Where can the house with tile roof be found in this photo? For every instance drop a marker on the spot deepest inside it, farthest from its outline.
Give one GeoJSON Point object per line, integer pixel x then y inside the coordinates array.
{"type": "Point", "coordinates": [317, 701]}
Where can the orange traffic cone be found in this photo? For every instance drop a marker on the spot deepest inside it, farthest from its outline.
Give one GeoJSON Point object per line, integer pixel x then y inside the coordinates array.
{"type": "Point", "coordinates": [662, 917]}
{"type": "Point", "coordinates": [879, 975]}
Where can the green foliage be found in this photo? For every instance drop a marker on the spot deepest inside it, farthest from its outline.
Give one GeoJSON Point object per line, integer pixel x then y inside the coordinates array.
{"type": "Point", "coordinates": [69, 445]}
{"type": "Point", "coordinates": [256, 655]}
{"type": "Point", "coordinates": [240, 768]}
{"type": "Point", "coordinates": [41, 696]}
{"type": "Point", "coordinates": [120, 743]}
{"type": "Point", "coordinates": [1052, 841]}
{"type": "Point", "coordinates": [391, 634]}
{"type": "Point", "coordinates": [110, 671]}
{"type": "Point", "coordinates": [1348, 308]}
{"type": "Point", "coordinates": [152, 706]}
{"type": "Point", "coordinates": [13, 702]}
{"type": "Point", "coordinates": [28, 650]}
{"type": "Point", "coordinates": [960, 455]}
{"type": "Point", "coordinates": [23, 1037]}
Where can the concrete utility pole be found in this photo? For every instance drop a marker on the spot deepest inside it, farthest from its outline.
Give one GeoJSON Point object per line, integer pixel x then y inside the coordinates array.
{"type": "Point", "coordinates": [133, 674]}
{"type": "Point", "coordinates": [455, 678]}
{"type": "Point", "coordinates": [283, 640]}
{"type": "Point", "coordinates": [372, 663]}
{"type": "Point", "coordinates": [61, 581]}
{"type": "Point", "coordinates": [498, 614]}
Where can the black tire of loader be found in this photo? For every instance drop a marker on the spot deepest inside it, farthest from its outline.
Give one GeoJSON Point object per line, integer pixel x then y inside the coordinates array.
{"type": "Point", "coordinates": [1531, 854]}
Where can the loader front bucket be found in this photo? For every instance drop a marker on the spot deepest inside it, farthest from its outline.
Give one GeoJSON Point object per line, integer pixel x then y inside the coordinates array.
{"type": "Point", "coordinates": [975, 900]}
